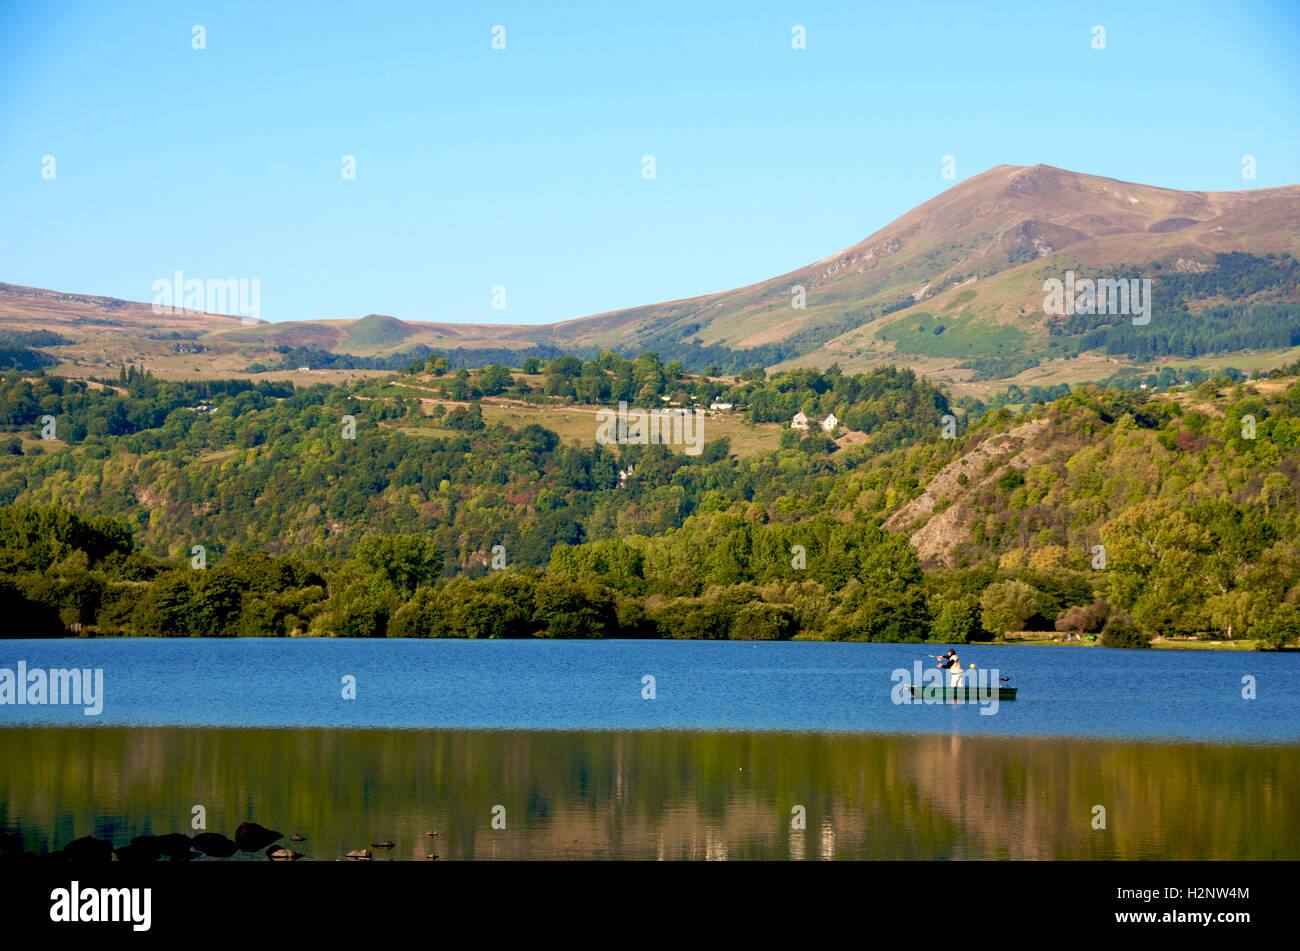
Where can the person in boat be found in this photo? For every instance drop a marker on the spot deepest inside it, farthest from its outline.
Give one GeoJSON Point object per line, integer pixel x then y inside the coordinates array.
{"type": "Point", "coordinates": [952, 663]}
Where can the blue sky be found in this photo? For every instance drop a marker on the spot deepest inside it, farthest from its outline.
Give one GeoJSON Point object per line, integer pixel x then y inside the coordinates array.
{"type": "Point", "coordinates": [522, 167]}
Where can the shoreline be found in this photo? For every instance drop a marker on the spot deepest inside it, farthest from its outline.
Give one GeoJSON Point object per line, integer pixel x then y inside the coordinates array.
{"type": "Point", "coordinates": [1242, 646]}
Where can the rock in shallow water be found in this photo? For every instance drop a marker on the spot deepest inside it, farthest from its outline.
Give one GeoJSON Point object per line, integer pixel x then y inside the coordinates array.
{"type": "Point", "coordinates": [251, 837]}
{"type": "Point", "coordinates": [150, 848]}
{"type": "Point", "coordinates": [174, 845]}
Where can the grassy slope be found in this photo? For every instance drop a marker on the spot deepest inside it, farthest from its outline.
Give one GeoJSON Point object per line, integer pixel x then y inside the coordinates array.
{"type": "Point", "coordinates": [577, 423]}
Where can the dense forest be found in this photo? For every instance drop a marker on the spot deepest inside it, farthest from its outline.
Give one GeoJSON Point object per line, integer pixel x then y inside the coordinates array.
{"type": "Point", "coordinates": [394, 507]}
{"type": "Point", "coordinates": [1188, 319]}
{"type": "Point", "coordinates": [224, 463]}
{"type": "Point", "coordinates": [293, 357]}
{"type": "Point", "coordinates": [17, 349]}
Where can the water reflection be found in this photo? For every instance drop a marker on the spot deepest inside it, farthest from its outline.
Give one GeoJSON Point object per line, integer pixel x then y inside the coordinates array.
{"type": "Point", "coordinates": [656, 795]}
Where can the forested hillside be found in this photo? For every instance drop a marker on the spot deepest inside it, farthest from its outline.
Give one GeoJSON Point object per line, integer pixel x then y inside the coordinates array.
{"type": "Point", "coordinates": [403, 507]}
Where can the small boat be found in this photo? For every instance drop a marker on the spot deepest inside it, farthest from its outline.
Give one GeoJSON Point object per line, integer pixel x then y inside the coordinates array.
{"type": "Point", "coordinates": [968, 694]}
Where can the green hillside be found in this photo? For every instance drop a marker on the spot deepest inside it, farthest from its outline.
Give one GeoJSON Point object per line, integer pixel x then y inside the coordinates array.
{"type": "Point", "coordinates": [458, 511]}
{"type": "Point", "coordinates": [376, 330]}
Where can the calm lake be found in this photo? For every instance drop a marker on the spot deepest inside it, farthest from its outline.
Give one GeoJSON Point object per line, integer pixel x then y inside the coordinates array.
{"type": "Point", "coordinates": [736, 737]}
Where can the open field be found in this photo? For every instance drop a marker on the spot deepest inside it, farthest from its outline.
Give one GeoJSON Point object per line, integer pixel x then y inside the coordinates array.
{"type": "Point", "coordinates": [577, 423]}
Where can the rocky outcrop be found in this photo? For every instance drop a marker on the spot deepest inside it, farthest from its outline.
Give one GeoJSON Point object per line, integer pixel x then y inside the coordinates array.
{"type": "Point", "coordinates": [936, 540]}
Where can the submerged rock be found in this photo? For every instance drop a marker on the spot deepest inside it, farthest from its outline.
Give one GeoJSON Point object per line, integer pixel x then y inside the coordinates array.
{"type": "Point", "coordinates": [215, 844]}
{"type": "Point", "coordinates": [282, 855]}
{"type": "Point", "coordinates": [386, 844]}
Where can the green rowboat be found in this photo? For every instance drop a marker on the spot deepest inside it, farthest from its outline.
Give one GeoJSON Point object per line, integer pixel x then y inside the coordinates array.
{"type": "Point", "coordinates": [967, 694]}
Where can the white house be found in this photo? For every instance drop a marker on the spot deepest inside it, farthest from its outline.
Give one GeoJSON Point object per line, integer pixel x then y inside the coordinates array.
{"type": "Point", "coordinates": [716, 405]}
{"type": "Point", "coordinates": [800, 421]}
{"type": "Point", "coordinates": [830, 422]}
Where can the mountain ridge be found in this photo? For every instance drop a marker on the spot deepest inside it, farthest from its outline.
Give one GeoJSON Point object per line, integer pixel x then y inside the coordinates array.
{"type": "Point", "coordinates": [969, 262]}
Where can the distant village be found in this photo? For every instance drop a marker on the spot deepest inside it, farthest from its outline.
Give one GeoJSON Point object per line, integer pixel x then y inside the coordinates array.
{"type": "Point", "coordinates": [798, 421]}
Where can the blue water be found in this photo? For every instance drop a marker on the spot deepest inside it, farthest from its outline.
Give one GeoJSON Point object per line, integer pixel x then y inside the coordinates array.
{"type": "Point", "coordinates": [597, 685]}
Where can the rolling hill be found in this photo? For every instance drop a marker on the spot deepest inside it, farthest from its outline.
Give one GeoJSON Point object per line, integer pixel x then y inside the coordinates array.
{"type": "Point", "coordinates": [953, 288]}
